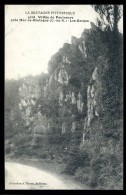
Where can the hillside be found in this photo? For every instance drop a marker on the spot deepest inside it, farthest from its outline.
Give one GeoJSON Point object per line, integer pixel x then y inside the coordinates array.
{"type": "Point", "coordinates": [73, 114]}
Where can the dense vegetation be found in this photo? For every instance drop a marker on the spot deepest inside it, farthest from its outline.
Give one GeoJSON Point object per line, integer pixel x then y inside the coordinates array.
{"type": "Point", "coordinates": [53, 126]}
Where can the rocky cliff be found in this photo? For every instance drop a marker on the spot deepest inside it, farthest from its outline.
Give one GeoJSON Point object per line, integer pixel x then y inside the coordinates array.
{"type": "Point", "coordinates": [71, 97]}
{"type": "Point", "coordinates": [78, 104]}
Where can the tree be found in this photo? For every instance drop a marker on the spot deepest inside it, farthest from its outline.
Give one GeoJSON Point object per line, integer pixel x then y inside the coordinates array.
{"type": "Point", "coordinates": [109, 14]}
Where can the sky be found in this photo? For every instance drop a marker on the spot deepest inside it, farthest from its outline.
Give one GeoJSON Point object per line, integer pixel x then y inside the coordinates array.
{"type": "Point", "coordinates": [30, 45]}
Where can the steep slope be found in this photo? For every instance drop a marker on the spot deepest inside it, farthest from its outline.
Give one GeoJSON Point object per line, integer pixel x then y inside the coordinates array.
{"type": "Point", "coordinates": [73, 114]}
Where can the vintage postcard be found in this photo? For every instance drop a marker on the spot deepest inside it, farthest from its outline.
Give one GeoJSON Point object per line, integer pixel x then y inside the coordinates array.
{"type": "Point", "coordinates": [63, 97]}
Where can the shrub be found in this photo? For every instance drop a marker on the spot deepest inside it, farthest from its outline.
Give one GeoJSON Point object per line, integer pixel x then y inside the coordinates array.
{"type": "Point", "coordinates": [106, 174]}
{"type": "Point", "coordinates": [43, 155]}
{"type": "Point", "coordinates": [84, 175]}
{"type": "Point", "coordinates": [77, 159]}
{"type": "Point", "coordinates": [8, 150]}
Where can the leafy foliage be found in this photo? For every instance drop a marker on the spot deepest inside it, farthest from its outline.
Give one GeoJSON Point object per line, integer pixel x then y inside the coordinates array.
{"type": "Point", "coordinates": [110, 15]}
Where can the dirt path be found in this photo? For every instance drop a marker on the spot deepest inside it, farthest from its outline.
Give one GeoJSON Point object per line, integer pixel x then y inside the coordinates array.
{"type": "Point", "coordinates": [38, 175]}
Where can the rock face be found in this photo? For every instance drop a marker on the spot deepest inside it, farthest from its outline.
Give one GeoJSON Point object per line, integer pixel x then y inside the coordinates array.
{"type": "Point", "coordinates": [52, 101]}
{"type": "Point", "coordinates": [74, 87]}
{"type": "Point", "coordinates": [29, 92]}
{"type": "Point", "coordinates": [79, 102]}
{"type": "Point", "coordinates": [92, 97]}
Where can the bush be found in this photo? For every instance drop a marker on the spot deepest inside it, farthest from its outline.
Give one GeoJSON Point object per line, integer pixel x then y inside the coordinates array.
{"type": "Point", "coordinates": [83, 175]}
{"type": "Point", "coordinates": [8, 150]}
{"type": "Point", "coordinates": [76, 160]}
{"type": "Point", "coordinates": [106, 172]}
{"type": "Point", "coordinates": [43, 155]}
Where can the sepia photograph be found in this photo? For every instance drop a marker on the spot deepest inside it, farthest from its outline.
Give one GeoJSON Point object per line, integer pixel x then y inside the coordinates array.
{"type": "Point", "coordinates": [63, 97]}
